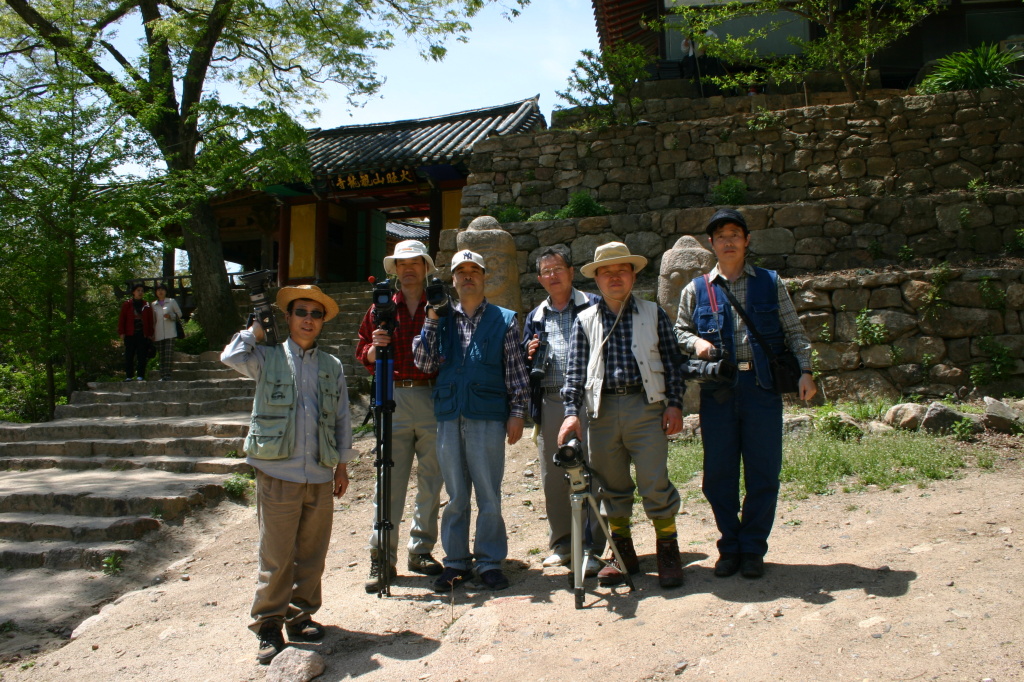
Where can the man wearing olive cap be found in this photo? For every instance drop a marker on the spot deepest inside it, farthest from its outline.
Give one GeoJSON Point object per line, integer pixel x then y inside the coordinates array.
{"type": "Point", "coordinates": [299, 442]}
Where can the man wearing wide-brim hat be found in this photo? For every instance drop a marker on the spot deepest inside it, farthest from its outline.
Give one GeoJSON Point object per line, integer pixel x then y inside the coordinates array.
{"type": "Point", "coordinates": [624, 367]}
{"type": "Point", "coordinates": [299, 442]}
{"type": "Point", "coordinates": [413, 427]}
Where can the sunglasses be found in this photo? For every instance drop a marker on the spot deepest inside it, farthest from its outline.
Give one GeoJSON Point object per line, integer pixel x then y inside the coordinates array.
{"type": "Point", "coordinates": [302, 312]}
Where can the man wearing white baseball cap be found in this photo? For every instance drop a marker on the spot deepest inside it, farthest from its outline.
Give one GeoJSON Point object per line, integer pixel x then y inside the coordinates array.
{"type": "Point", "coordinates": [481, 397]}
{"type": "Point", "coordinates": [413, 427]}
{"type": "Point", "coordinates": [624, 366]}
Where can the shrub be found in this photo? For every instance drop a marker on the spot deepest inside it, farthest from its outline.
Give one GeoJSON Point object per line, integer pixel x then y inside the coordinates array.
{"type": "Point", "coordinates": [991, 295]}
{"type": "Point", "coordinates": [999, 365]}
{"type": "Point", "coordinates": [982, 67]}
{"type": "Point", "coordinates": [905, 254]}
{"type": "Point", "coordinates": [581, 205]}
{"type": "Point", "coordinates": [542, 215]}
{"type": "Point", "coordinates": [764, 119]}
{"type": "Point", "coordinates": [963, 430]}
{"type": "Point", "coordinates": [730, 191]}
{"type": "Point", "coordinates": [238, 486]}
{"type": "Point", "coordinates": [112, 564]}
{"type": "Point", "coordinates": [509, 213]}
{"type": "Point", "coordinates": [195, 341]}
{"type": "Point", "coordinates": [869, 333]}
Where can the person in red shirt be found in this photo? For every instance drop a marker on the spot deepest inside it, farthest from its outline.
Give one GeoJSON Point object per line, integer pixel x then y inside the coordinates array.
{"type": "Point", "coordinates": [135, 327]}
{"type": "Point", "coordinates": [413, 428]}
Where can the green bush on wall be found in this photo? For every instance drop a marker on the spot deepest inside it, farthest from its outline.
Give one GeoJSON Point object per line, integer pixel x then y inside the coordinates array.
{"type": "Point", "coordinates": [982, 67]}
{"type": "Point", "coordinates": [730, 191]}
{"type": "Point", "coordinates": [195, 341]}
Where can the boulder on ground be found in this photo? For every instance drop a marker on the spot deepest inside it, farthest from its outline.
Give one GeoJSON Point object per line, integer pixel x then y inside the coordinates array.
{"type": "Point", "coordinates": [905, 416]}
{"type": "Point", "coordinates": [1001, 417]}
{"type": "Point", "coordinates": [940, 418]}
{"type": "Point", "coordinates": [295, 665]}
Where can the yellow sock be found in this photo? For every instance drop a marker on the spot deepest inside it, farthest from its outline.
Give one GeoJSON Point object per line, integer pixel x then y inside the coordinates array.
{"type": "Point", "coordinates": [664, 529]}
{"type": "Point", "coordinates": [619, 526]}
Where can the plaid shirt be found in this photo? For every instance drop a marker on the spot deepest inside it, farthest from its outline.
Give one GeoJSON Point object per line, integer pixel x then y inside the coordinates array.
{"type": "Point", "coordinates": [620, 367]}
{"type": "Point", "coordinates": [796, 337]}
{"type": "Point", "coordinates": [517, 377]}
{"type": "Point", "coordinates": [558, 325]}
{"type": "Point", "coordinates": [401, 340]}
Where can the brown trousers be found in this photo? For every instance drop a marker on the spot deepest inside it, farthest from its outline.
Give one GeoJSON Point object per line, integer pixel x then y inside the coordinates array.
{"type": "Point", "coordinates": [295, 531]}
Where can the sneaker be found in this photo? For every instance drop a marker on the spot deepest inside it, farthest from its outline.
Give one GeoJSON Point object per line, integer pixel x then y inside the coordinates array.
{"type": "Point", "coordinates": [140, 379]}
{"type": "Point", "coordinates": [271, 643]}
{"type": "Point", "coordinates": [424, 564]}
{"type": "Point", "coordinates": [557, 559]}
{"type": "Point", "coordinates": [728, 563]}
{"type": "Point", "coordinates": [670, 567]}
{"type": "Point", "coordinates": [306, 631]}
{"type": "Point", "coordinates": [593, 567]}
{"type": "Point", "coordinates": [374, 582]}
{"type": "Point", "coordinates": [128, 380]}
{"type": "Point", "coordinates": [450, 578]}
{"type": "Point", "coordinates": [612, 574]}
{"type": "Point", "coordinates": [494, 579]}
{"type": "Point", "coordinates": [751, 565]}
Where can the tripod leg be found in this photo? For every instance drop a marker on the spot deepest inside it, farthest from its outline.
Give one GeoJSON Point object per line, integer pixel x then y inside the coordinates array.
{"type": "Point", "coordinates": [578, 564]}
{"type": "Point", "coordinates": [611, 542]}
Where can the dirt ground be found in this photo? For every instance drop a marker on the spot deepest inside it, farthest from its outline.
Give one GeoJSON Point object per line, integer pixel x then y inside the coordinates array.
{"type": "Point", "coordinates": [904, 584]}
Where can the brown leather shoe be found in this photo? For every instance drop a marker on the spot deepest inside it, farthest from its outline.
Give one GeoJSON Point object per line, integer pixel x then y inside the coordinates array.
{"type": "Point", "coordinates": [670, 566]}
{"type": "Point", "coordinates": [611, 574]}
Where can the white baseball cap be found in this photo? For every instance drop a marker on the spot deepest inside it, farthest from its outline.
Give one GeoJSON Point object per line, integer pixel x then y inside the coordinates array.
{"type": "Point", "coordinates": [467, 256]}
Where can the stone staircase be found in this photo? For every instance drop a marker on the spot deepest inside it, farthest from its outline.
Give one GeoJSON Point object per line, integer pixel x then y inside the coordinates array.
{"type": "Point", "coordinates": [341, 334]}
{"type": "Point", "coordinates": [117, 462]}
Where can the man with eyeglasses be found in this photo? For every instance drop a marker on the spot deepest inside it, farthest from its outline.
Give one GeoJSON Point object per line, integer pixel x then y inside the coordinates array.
{"type": "Point", "coordinates": [413, 427]}
{"type": "Point", "coordinates": [551, 323]}
{"type": "Point", "coordinates": [299, 442]}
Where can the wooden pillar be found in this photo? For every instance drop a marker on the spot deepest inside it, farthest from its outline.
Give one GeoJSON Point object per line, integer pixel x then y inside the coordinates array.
{"type": "Point", "coordinates": [284, 229]}
{"type": "Point", "coordinates": [436, 220]}
{"type": "Point", "coordinates": [320, 272]}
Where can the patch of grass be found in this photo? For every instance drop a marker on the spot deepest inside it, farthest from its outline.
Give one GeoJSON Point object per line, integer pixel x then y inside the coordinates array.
{"type": "Point", "coordinates": [112, 564]}
{"type": "Point", "coordinates": [533, 551]}
{"type": "Point", "coordinates": [685, 459]}
{"type": "Point", "coordinates": [867, 411]}
{"type": "Point", "coordinates": [963, 430]}
{"type": "Point", "coordinates": [156, 513]}
{"type": "Point", "coordinates": [992, 296]}
{"type": "Point", "coordinates": [238, 485]}
{"type": "Point", "coordinates": [852, 507]}
{"type": "Point", "coordinates": [8, 626]}
{"type": "Point", "coordinates": [233, 454]}
{"type": "Point", "coordinates": [363, 429]}
{"type": "Point", "coordinates": [542, 215]}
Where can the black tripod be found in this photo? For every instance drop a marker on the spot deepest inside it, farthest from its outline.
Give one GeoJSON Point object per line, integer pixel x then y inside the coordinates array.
{"type": "Point", "coordinates": [383, 409]}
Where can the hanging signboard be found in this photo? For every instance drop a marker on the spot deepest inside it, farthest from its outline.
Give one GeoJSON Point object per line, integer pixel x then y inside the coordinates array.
{"type": "Point", "coordinates": [379, 179]}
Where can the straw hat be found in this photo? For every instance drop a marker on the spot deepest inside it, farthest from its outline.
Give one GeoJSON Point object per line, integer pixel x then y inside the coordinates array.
{"type": "Point", "coordinates": [612, 253]}
{"type": "Point", "coordinates": [286, 295]}
{"type": "Point", "coordinates": [410, 248]}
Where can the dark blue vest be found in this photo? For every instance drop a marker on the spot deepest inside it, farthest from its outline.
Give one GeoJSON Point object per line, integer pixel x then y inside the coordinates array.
{"type": "Point", "coordinates": [472, 383]}
{"type": "Point", "coordinates": [762, 307]}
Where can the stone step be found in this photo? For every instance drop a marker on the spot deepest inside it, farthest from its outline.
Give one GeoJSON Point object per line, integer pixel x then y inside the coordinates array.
{"type": "Point", "coordinates": [197, 446]}
{"type": "Point", "coordinates": [181, 464]}
{"type": "Point", "coordinates": [32, 527]}
{"type": "Point", "coordinates": [148, 386]}
{"type": "Point", "coordinates": [174, 395]}
{"type": "Point", "coordinates": [225, 425]}
{"type": "Point", "coordinates": [60, 555]}
{"type": "Point", "coordinates": [90, 492]}
{"type": "Point", "coordinates": [156, 408]}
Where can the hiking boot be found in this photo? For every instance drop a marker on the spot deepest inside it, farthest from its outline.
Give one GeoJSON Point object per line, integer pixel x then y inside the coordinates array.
{"type": "Point", "coordinates": [375, 582]}
{"type": "Point", "coordinates": [306, 631]}
{"type": "Point", "coordinates": [271, 643]}
{"type": "Point", "coordinates": [612, 574]}
{"type": "Point", "coordinates": [728, 563]}
{"type": "Point", "coordinates": [424, 564]}
{"type": "Point", "coordinates": [670, 566]}
{"type": "Point", "coordinates": [494, 579]}
{"type": "Point", "coordinates": [450, 578]}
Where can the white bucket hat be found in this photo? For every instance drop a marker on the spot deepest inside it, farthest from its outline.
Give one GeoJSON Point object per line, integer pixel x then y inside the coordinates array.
{"type": "Point", "coordinates": [612, 253]}
{"type": "Point", "coordinates": [467, 256]}
{"type": "Point", "coordinates": [410, 248]}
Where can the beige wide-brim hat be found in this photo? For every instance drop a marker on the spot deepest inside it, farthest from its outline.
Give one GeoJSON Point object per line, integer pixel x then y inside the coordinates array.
{"type": "Point", "coordinates": [410, 248]}
{"type": "Point", "coordinates": [286, 295]}
{"type": "Point", "coordinates": [612, 253]}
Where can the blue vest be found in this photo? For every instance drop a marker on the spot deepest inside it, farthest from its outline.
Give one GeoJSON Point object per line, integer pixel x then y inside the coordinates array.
{"type": "Point", "coordinates": [471, 383]}
{"type": "Point", "coordinates": [762, 307]}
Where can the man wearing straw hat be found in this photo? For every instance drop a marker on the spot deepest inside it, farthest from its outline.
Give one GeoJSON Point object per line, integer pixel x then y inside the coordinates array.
{"type": "Point", "coordinates": [300, 440]}
{"type": "Point", "coordinates": [624, 365]}
{"type": "Point", "coordinates": [413, 427]}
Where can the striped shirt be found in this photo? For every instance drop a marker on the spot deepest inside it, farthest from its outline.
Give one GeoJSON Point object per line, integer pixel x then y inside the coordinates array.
{"type": "Point", "coordinates": [620, 366]}
{"type": "Point", "coordinates": [796, 338]}
{"type": "Point", "coordinates": [517, 377]}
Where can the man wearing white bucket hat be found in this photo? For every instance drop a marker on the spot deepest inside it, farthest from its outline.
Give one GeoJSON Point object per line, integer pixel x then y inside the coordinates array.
{"type": "Point", "coordinates": [413, 427]}
{"type": "Point", "coordinates": [299, 442]}
{"type": "Point", "coordinates": [624, 366]}
{"type": "Point", "coordinates": [481, 397]}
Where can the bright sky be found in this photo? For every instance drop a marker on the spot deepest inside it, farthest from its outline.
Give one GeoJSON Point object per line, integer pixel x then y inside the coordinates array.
{"type": "Point", "coordinates": [502, 62]}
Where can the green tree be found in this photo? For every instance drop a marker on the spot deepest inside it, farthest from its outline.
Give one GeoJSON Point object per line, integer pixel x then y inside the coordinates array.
{"type": "Point", "coordinates": [599, 82]}
{"type": "Point", "coordinates": [852, 33]}
{"type": "Point", "coordinates": [282, 52]}
{"type": "Point", "coordinates": [60, 256]}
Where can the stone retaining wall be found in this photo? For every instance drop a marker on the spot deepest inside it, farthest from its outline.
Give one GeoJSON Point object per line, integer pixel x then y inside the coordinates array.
{"type": "Point", "coordinates": [898, 147]}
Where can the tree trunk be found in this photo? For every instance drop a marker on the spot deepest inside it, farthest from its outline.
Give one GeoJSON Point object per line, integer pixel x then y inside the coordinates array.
{"type": "Point", "coordinates": [215, 307]}
{"type": "Point", "coordinates": [69, 316]}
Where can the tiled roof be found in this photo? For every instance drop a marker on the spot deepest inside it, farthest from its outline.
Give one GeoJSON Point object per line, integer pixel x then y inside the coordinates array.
{"type": "Point", "coordinates": [625, 21]}
{"type": "Point", "coordinates": [402, 230]}
{"type": "Point", "coordinates": [426, 141]}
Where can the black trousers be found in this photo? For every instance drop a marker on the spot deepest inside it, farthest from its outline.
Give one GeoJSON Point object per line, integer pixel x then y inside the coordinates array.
{"type": "Point", "coordinates": [135, 355]}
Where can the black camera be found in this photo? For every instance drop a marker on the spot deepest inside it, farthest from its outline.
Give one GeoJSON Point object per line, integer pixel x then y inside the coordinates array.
{"type": "Point", "coordinates": [257, 283]}
{"type": "Point", "coordinates": [438, 298]}
{"type": "Point", "coordinates": [718, 369]}
{"type": "Point", "coordinates": [539, 364]}
{"type": "Point", "coordinates": [569, 455]}
{"type": "Point", "coordinates": [385, 311]}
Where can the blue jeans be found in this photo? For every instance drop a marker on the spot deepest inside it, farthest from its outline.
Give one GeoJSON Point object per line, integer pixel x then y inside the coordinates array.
{"type": "Point", "coordinates": [742, 423]}
{"type": "Point", "coordinates": [472, 457]}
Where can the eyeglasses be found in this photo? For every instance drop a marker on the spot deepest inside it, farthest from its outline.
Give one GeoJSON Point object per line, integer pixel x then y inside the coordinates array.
{"type": "Point", "coordinates": [302, 312]}
{"type": "Point", "coordinates": [553, 272]}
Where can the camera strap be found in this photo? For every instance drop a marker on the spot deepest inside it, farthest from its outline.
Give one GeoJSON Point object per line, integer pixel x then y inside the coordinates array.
{"type": "Point", "coordinates": [750, 324]}
{"type": "Point", "coordinates": [713, 299]}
